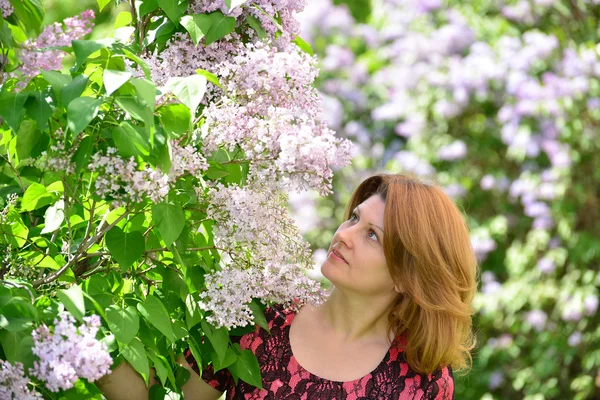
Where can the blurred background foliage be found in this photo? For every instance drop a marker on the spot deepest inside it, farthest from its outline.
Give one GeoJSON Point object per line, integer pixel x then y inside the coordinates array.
{"type": "Point", "coordinates": [499, 103]}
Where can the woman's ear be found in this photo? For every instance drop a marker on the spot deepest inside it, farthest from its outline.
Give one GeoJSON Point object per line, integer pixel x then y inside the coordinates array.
{"type": "Point", "coordinates": [399, 288]}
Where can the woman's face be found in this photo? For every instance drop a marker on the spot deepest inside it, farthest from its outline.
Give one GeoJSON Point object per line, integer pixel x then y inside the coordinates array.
{"type": "Point", "coordinates": [359, 240]}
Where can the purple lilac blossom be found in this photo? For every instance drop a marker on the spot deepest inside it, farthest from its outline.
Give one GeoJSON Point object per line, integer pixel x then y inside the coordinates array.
{"type": "Point", "coordinates": [546, 265]}
{"type": "Point", "coordinates": [69, 353]}
{"type": "Point", "coordinates": [13, 382]}
{"type": "Point", "coordinates": [496, 380]}
{"type": "Point", "coordinates": [575, 339]}
{"type": "Point", "coordinates": [537, 319]}
{"type": "Point", "coordinates": [6, 9]}
{"type": "Point", "coordinates": [35, 60]}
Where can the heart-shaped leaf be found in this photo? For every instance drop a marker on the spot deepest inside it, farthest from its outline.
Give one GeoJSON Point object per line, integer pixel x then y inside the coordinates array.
{"type": "Point", "coordinates": [125, 247]}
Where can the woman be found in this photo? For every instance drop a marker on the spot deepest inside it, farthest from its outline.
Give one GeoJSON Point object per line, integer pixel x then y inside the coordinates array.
{"type": "Point", "coordinates": [396, 324]}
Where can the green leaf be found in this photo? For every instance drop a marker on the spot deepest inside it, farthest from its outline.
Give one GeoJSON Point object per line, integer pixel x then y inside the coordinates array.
{"type": "Point", "coordinates": [83, 153]}
{"type": "Point", "coordinates": [175, 118]}
{"type": "Point", "coordinates": [81, 112]}
{"type": "Point", "coordinates": [39, 109]}
{"type": "Point", "coordinates": [259, 315]}
{"type": "Point", "coordinates": [135, 354]}
{"type": "Point", "coordinates": [114, 79]}
{"type": "Point", "coordinates": [146, 91]}
{"type": "Point", "coordinates": [304, 46]}
{"type": "Point", "coordinates": [123, 323]}
{"type": "Point", "coordinates": [126, 247]}
{"type": "Point", "coordinates": [16, 229]}
{"type": "Point", "coordinates": [247, 369]}
{"type": "Point", "coordinates": [189, 90]}
{"type": "Point", "coordinates": [255, 24]}
{"type": "Point", "coordinates": [155, 313]}
{"type": "Point", "coordinates": [209, 77]}
{"type": "Point", "coordinates": [143, 64]}
{"type": "Point", "coordinates": [103, 3]}
{"type": "Point", "coordinates": [54, 217]}
{"type": "Point", "coordinates": [219, 338]}
{"type": "Point", "coordinates": [123, 19]}
{"type": "Point", "coordinates": [57, 81]}
{"type": "Point", "coordinates": [163, 369]}
{"type": "Point", "coordinates": [221, 26]}
{"type": "Point", "coordinates": [35, 196]}
{"type": "Point", "coordinates": [174, 9]}
{"type": "Point", "coordinates": [73, 89]}
{"type": "Point", "coordinates": [192, 312]}
{"type": "Point", "coordinates": [197, 25]}
{"type": "Point", "coordinates": [12, 108]}
{"type": "Point", "coordinates": [84, 48]}
{"type": "Point", "coordinates": [129, 141]}
{"type": "Point", "coordinates": [136, 110]}
{"type": "Point", "coordinates": [28, 136]}
{"type": "Point", "coordinates": [72, 298]}
{"type": "Point", "coordinates": [169, 220]}
{"type": "Point", "coordinates": [29, 14]}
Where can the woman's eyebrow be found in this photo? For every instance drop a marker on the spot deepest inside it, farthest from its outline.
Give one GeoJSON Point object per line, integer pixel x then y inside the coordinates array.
{"type": "Point", "coordinates": [358, 210]}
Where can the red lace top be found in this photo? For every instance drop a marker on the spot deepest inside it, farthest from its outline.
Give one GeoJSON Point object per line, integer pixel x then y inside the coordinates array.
{"type": "Point", "coordinates": [284, 378]}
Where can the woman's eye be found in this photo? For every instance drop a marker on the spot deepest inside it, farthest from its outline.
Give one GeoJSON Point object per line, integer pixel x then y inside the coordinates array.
{"type": "Point", "coordinates": [374, 235]}
{"type": "Point", "coordinates": [353, 216]}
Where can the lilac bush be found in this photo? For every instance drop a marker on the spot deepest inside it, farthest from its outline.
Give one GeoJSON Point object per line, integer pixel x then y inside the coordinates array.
{"type": "Point", "coordinates": [143, 205]}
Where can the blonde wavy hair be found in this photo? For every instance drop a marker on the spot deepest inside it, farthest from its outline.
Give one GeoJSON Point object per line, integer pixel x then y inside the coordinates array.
{"type": "Point", "coordinates": [428, 251]}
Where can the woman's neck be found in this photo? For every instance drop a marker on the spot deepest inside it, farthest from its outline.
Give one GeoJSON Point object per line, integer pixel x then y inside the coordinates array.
{"type": "Point", "coordinates": [354, 319]}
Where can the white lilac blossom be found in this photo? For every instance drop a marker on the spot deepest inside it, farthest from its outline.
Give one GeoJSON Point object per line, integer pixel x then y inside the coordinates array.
{"type": "Point", "coordinates": [122, 181]}
{"type": "Point", "coordinates": [13, 382]}
{"type": "Point", "coordinates": [6, 9]}
{"type": "Point", "coordinates": [35, 58]}
{"type": "Point", "coordinates": [69, 353]}
{"type": "Point", "coordinates": [229, 291]}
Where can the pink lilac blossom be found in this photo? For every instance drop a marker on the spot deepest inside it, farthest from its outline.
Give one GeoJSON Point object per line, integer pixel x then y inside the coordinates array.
{"type": "Point", "coordinates": [35, 58]}
{"type": "Point", "coordinates": [13, 382]}
{"type": "Point", "coordinates": [229, 291]}
{"type": "Point", "coordinates": [260, 77]}
{"type": "Point", "coordinates": [297, 150]}
{"type": "Point", "coordinates": [6, 9]}
{"type": "Point", "coordinates": [253, 223]}
{"type": "Point", "coordinates": [69, 353]}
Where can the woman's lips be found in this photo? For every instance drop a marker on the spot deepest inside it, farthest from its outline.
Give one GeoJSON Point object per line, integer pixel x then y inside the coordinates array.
{"type": "Point", "coordinates": [338, 256]}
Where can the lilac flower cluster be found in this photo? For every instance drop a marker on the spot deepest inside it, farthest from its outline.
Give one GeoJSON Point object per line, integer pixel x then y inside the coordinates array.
{"type": "Point", "coordinates": [123, 181]}
{"type": "Point", "coordinates": [6, 9]}
{"type": "Point", "coordinates": [272, 112]}
{"type": "Point", "coordinates": [33, 54]}
{"type": "Point", "coordinates": [69, 353]}
{"type": "Point", "coordinates": [59, 158]}
{"type": "Point", "coordinates": [230, 290]}
{"type": "Point", "coordinates": [14, 383]}
{"type": "Point", "coordinates": [266, 254]}
{"type": "Point", "coordinates": [253, 222]}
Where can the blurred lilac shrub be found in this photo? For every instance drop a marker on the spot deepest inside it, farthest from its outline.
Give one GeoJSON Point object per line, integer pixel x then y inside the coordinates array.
{"type": "Point", "coordinates": [499, 102]}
